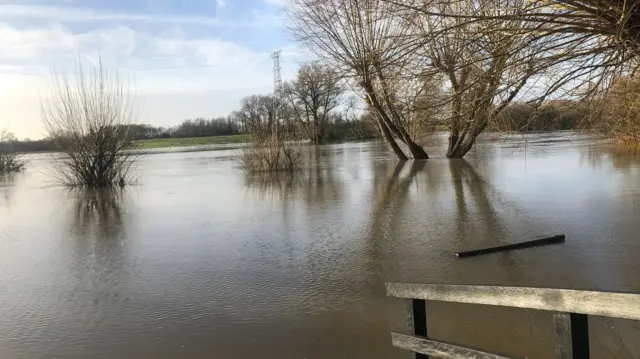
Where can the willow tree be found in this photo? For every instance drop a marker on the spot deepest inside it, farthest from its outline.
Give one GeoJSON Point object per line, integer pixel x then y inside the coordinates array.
{"type": "Point", "coordinates": [483, 67]}
{"type": "Point", "coordinates": [367, 45]}
{"type": "Point", "coordinates": [313, 95]}
{"type": "Point", "coordinates": [613, 24]}
{"type": "Point", "coordinates": [578, 46]}
{"type": "Point", "coordinates": [620, 119]}
{"type": "Point", "coordinates": [87, 115]}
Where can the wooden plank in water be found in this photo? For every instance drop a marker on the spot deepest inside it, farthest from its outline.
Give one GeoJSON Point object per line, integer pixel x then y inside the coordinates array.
{"type": "Point", "coordinates": [606, 304]}
{"type": "Point", "coordinates": [508, 247]}
{"type": "Point", "coordinates": [439, 349]}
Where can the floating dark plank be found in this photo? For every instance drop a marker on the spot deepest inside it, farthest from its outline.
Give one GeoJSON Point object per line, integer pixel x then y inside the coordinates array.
{"type": "Point", "coordinates": [508, 247]}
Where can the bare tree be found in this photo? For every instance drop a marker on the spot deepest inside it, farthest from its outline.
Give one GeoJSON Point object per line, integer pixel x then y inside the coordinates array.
{"type": "Point", "coordinates": [313, 95]}
{"type": "Point", "coordinates": [87, 114]}
{"type": "Point", "coordinates": [368, 46]}
{"type": "Point", "coordinates": [422, 64]}
{"type": "Point", "coordinates": [9, 159]}
{"type": "Point", "coordinates": [585, 44]}
{"type": "Point", "coordinates": [481, 66]}
{"type": "Point", "coordinates": [612, 25]}
{"type": "Point", "coordinates": [269, 155]}
{"type": "Point", "coordinates": [267, 119]}
{"type": "Point", "coordinates": [264, 116]}
{"type": "Point", "coordinates": [620, 119]}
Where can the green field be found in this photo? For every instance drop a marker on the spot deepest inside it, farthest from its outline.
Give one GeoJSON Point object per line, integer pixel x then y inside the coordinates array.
{"type": "Point", "coordinates": [189, 141]}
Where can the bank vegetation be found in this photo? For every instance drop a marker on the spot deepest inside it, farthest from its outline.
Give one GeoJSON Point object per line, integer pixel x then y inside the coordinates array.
{"type": "Point", "coordinates": [9, 158]}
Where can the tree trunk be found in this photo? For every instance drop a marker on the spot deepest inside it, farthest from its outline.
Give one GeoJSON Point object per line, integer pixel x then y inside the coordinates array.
{"type": "Point", "coordinates": [372, 100]}
{"type": "Point", "coordinates": [458, 153]}
{"type": "Point", "coordinates": [460, 146]}
{"type": "Point", "coordinates": [385, 122]}
{"type": "Point", "coordinates": [318, 140]}
{"type": "Point", "coordinates": [386, 134]}
{"type": "Point", "coordinates": [417, 151]}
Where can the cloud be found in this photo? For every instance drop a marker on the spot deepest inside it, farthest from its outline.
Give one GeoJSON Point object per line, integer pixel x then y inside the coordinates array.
{"type": "Point", "coordinates": [82, 15]}
{"type": "Point", "coordinates": [29, 43]}
{"type": "Point", "coordinates": [171, 54]}
{"type": "Point", "coordinates": [178, 72]}
{"type": "Point", "coordinates": [220, 4]}
{"type": "Point", "coordinates": [279, 3]}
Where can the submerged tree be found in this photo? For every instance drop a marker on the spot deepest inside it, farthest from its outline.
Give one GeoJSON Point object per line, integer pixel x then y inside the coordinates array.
{"type": "Point", "coordinates": [267, 120]}
{"type": "Point", "coordinates": [484, 67]}
{"type": "Point", "coordinates": [420, 69]}
{"type": "Point", "coordinates": [87, 115]}
{"type": "Point", "coordinates": [365, 44]}
{"type": "Point", "coordinates": [9, 161]}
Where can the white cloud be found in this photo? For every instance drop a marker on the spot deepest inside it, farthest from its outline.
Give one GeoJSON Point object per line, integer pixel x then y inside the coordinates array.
{"type": "Point", "coordinates": [280, 3]}
{"type": "Point", "coordinates": [175, 76]}
{"type": "Point", "coordinates": [116, 42]}
{"type": "Point", "coordinates": [122, 47]}
{"type": "Point", "coordinates": [77, 14]}
{"type": "Point", "coordinates": [29, 43]}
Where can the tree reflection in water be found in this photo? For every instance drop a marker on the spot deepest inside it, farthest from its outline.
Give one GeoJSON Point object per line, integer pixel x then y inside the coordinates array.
{"type": "Point", "coordinates": [99, 250]}
{"type": "Point", "coordinates": [623, 160]}
{"type": "Point", "coordinates": [98, 213]}
{"type": "Point", "coordinates": [315, 183]}
{"type": "Point", "coordinates": [272, 185]}
{"type": "Point", "coordinates": [7, 181]}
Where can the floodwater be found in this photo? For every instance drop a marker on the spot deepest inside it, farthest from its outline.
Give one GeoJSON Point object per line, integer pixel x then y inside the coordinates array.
{"type": "Point", "coordinates": [200, 261]}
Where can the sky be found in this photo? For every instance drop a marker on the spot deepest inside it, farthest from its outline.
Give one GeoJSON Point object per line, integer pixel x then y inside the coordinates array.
{"type": "Point", "coordinates": [186, 58]}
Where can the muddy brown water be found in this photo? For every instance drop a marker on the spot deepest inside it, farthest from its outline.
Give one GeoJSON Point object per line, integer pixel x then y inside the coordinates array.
{"type": "Point", "coordinates": [200, 261]}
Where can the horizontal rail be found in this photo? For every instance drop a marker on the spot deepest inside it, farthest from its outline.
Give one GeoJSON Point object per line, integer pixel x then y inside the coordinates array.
{"type": "Point", "coordinates": [439, 349]}
{"type": "Point", "coordinates": [606, 304]}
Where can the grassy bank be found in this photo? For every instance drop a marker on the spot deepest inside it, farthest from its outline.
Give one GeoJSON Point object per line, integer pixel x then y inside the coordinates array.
{"type": "Point", "coordinates": [189, 141]}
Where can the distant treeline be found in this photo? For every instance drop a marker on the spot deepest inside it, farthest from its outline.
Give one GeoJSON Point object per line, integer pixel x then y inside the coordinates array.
{"type": "Point", "coordinates": [560, 115]}
{"type": "Point", "coordinates": [338, 129]}
{"type": "Point", "coordinates": [44, 145]}
{"type": "Point", "coordinates": [517, 117]}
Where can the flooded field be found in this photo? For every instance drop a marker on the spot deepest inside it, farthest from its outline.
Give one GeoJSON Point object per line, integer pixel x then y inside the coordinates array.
{"type": "Point", "coordinates": [200, 261]}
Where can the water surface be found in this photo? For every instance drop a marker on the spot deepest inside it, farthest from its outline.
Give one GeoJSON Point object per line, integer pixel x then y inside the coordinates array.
{"type": "Point", "coordinates": [201, 261]}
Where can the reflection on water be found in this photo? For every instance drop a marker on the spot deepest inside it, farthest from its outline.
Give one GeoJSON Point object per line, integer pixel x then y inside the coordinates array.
{"type": "Point", "coordinates": [622, 158]}
{"type": "Point", "coordinates": [7, 181]}
{"type": "Point", "coordinates": [272, 185]}
{"type": "Point", "coordinates": [98, 238]}
{"type": "Point", "coordinates": [316, 182]}
{"type": "Point", "coordinates": [203, 261]}
{"type": "Point", "coordinates": [98, 213]}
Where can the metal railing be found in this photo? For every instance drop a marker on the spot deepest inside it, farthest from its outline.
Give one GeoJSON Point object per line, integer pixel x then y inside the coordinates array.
{"type": "Point", "coordinates": [570, 308]}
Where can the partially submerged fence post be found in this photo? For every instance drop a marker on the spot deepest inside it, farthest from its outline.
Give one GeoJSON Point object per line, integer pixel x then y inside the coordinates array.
{"type": "Point", "coordinates": [419, 316]}
{"type": "Point", "coordinates": [571, 310]}
{"type": "Point", "coordinates": [571, 335]}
